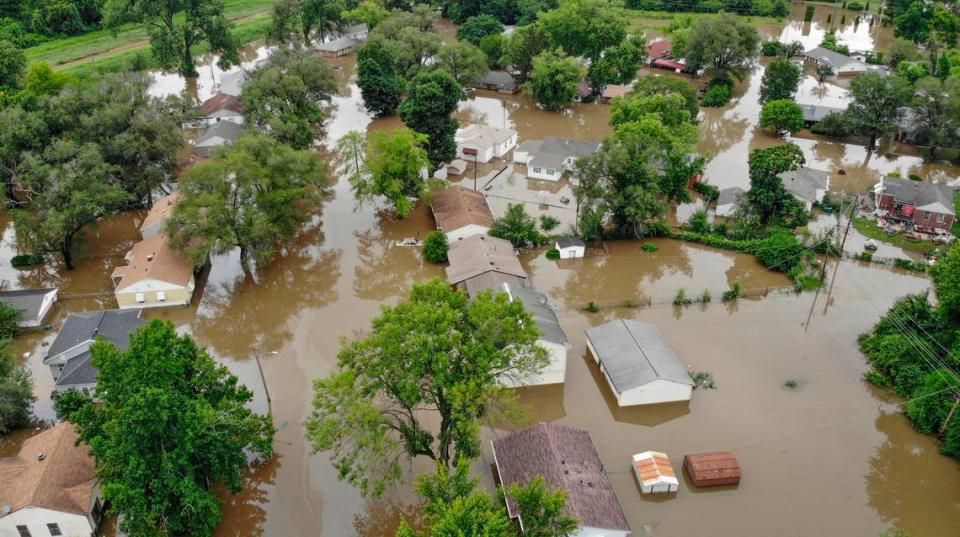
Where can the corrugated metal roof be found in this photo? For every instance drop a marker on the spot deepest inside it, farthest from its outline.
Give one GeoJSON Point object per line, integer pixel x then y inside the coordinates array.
{"type": "Point", "coordinates": [635, 353]}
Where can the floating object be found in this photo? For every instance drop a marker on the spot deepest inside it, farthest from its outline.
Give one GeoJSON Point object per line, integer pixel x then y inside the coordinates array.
{"type": "Point", "coordinates": [655, 473]}
{"type": "Point", "coordinates": [409, 241]}
{"type": "Point", "coordinates": [870, 244]}
{"type": "Point", "coordinates": [712, 469]}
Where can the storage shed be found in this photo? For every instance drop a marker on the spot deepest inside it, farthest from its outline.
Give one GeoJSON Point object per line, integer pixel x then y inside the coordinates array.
{"type": "Point", "coordinates": [712, 469]}
{"type": "Point", "coordinates": [655, 473]}
{"type": "Point", "coordinates": [638, 363]}
{"type": "Point", "coordinates": [570, 247]}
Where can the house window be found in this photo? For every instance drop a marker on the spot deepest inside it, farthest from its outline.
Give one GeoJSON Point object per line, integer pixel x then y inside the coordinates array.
{"type": "Point", "coordinates": [54, 529]}
{"type": "Point", "coordinates": [140, 298]}
{"type": "Point", "coordinates": [161, 296]}
{"type": "Point", "coordinates": [941, 218]}
{"type": "Point", "coordinates": [536, 170]}
{"type": "Point", "coordinates": [86, 391]}
{"type": "Point", "coordinates": [549, 172]}
{"type": "Point", "coordinates": [23, 531]}
{"type": "Point", "coordinates": [926, 215]}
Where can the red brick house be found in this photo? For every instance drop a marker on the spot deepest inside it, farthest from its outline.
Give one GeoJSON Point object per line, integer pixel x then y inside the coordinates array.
{"type": "Point", "coordinates": [927, 205]}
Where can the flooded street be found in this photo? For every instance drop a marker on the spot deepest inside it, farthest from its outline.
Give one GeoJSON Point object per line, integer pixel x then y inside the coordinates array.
{"type": "Point", "coordinates": [833, 457]}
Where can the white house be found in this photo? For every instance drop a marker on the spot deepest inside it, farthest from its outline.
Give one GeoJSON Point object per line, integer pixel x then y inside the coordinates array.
{"type": "Point", "coordinates": [570, 247]}
{"type": "Point", "coordinates": [461, 212]}
{"type": "Point", "coordinates": [220, 107]}
{"type": "Point", "coordinates": [567, 460]}
{"type": "Point", "coordinates": [638, 363]}
{"type": "Point", "coordinates": [728, 201]}
{"type": "Point", "coordinates": [33, 304]}
{"type": "Point", "coordinates": [50, 488]}
{"type": "Point", "coordinates": [550, 158]}
{"type": "Point", "coordinates": [552, 337]}
{"type": "Point", "coordinates": [655, 473]}
{"type": "Point", "coordinates": [484, 143]}
{"type": "Point", "coordinates": [807, 185]}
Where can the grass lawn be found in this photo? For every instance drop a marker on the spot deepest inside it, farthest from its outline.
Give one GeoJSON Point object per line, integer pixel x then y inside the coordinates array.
{"type": "Point", "coordinates": [130, 37]}
{"type": "Point", "coordinates": [870, 229]}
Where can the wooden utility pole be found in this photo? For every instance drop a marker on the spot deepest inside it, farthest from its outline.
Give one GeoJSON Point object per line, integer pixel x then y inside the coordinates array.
{"type": "Point", "coordinates": [856, 201]}
{"type": "Point", "coordinates": [946, 422]}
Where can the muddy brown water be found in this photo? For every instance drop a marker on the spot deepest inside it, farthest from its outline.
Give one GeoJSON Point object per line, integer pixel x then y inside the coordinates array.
{"type": "Point", "coordinates": [834, 457]}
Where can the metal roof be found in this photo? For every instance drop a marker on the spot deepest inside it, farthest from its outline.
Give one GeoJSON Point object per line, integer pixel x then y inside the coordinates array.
{"type": "Point", "coordinates": [338, 44]}
{"type": "Point", "coordinates": [634, 353]}
{"type": "Point", "coordinates": [501, 79]}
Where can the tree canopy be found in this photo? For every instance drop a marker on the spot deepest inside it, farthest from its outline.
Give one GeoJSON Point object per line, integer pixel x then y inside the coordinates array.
{"type": "Point", "coordinates": [781, 116]}
{"type": "Point", "coordinates": [780, 81]}
{"type": "Point", "coordinates": [554, 79]}
{"type": "Point", "coordinates": [585, 27]}
{"type": "Point", "coordinates": [723, 45]}
{"type": "Point", "coordinates": [660, 84]}
{"type": "Point", "coordinates": [380, 85]}
{"type": "Point", "coordinates": [875, 109]}
{"type": "Point", "coordinates": [516, 226]}
{"type": "Point", "coordinates": [431, 99]}
{"type": "Point", "coordinates": [519, 50]}
{"type": "Point", "coordinates": [392, 165]}
{"type": "Point", "coordinates": [477, 27]}
{"type": "Point", "coordinates": [162, 440]}
{"type": "Point", "coordinates": [767, 196]}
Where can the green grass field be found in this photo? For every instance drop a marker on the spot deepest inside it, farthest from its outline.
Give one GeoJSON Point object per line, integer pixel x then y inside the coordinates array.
{"type": "Point", "coordinates": [870, 229]}
{"type": "Point", "coordinates": [132, 38]}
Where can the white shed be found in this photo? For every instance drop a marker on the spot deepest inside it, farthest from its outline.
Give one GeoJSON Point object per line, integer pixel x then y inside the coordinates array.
{"type": "Point", "coordinates": [570, 247]}
{"type": "Point", "coordinates": [655, 473]}
{"type": "Point", "coordinates": [638, 363]}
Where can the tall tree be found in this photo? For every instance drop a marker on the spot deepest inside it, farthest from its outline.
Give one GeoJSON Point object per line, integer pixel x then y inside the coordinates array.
{"type": "Point", "coordinates": [477, 27]}
{"type": "Point", "coordinates": [661, 84]}
{"type": "Point", "coordinates": [936, 106]}
{"type": "Point", "coordinates": [516, 226]}
{"type": "Point", "coordinates": [554, 79]}
{"type": "Point", "coordinates": [768, 198]}
{"type": "Point", "coordinates": [379, 84]}
{"type": "Point", "coordinates": [722, 45]}
{"type": "Point", "coordinates": [438, 352]}
{"type": "Point", "coordinates": [176, 27]}
{"type": "Point", "coordinates": [519, 50]}
{"type": "Point", "coordinates": [285, 96]}
{"type": "Point", "coordinates": [585, 27]}
{"type": "Point", "coordinates": [780, 81]}
{"type": "Point", "coordinates": [12, 64]}
{"type": "Point", "coordinates": [914, 23]}
{"type": "Point", "coordinates": [431, 100]}
{"type": "Point", "coordinates": [16, 398]}
{"type": "Point", "coordinates": [781, 116]}
{"type": "Point", "coordinates": [162, 440]}
{"type": "Point", "coordinates": [252, 195]}
{"type": "Point", "coordinates": [617, 64]}
{"type": "Point", "coordinates": [875, 109]}
{"type": "Point", "coordinates": [393, 165]}
{"type": "Point", "coordinates": [464, 61]}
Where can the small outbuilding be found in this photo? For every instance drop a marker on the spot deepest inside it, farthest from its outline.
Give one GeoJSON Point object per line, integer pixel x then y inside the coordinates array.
{"type": "Point", "coordinates": [638, 363]}
{"type": "Point", "coordinates": [341, 46]}
{"type": "Point", "coordinates": [729, 201]}
{"type": "Point", "coordinates": [483, 143]}
{"type": "Point", "coordinates": [33, 304]}
{"type": "Point", "coordinates": [456, 167]}
{"type": "Point", "coordinates": [655, 473]}
{"type": "Point", "coordinates": [712, 469]}
{"type": "Point", "coordinates": [570, 247]}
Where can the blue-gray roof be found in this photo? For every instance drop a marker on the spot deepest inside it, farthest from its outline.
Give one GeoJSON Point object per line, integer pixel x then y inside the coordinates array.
{"type": "Point", "coordinates": [543, 315]}
{"type": "Point", "coordinates": [634, 354]}
{"type": "Point", "coordinates": [113, 325]}
{"type": "Point", "coordinates": [27, 301]}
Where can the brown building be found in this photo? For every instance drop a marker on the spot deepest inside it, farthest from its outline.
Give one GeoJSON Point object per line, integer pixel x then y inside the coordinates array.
{"type": "Point", "coordinates": [712, 469]}
{"type": "Point", "coordinates": [926, 205]}
{"type": "Point", "coordinates": [483, 262]}
{"type": "Point", "coordinates": [461, 212]}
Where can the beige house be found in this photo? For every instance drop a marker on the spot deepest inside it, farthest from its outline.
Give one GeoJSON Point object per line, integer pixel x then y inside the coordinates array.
{"type": "Point", "coordinates": [156, 276]}
{"type": "Point", "coordinates": [157, 217]}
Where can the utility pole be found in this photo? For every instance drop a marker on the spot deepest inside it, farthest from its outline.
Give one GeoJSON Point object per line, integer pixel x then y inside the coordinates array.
{"type": "Point", "coordinates": [856, 201]}
{"type": "Point", "coordinates": [946, 422]}
{"type": "Point", "coordinates": [263, 379]}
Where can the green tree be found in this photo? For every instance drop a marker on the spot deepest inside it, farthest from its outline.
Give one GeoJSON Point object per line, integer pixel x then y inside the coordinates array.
{"type": "Point", "coordinates": [286, 95]}
{"type": "Point", "coordinates": [543, 511]}
{"type": "Point", "coordinates": [914, 23]}
{"type": "Point", "coordinates": [437, 351]}
{"type": "Point", "coordinates": [519, 50]}
{"type": "Point", "coordinates": [823, 71]}
{"type": "Point", "coordinates": [476, 28]}
{"type": "Point", "coordinates": [465, 61]}
{"type": "Point", "coordinates": [74, 188]}
{"type": "Point", "coordinates": [936, 105]}
{"type": "Point", "coordinates": [946, 283]}
{"type": "Point", "coordinates": [393, 166]}
{"type": "Point", "coordinates": [781, 116]}
{"type": "Point", "coordinates": [669, 108]}
{"type": "Point", "coordinates": [369, 12]}
{"type": "Point", "coordinates": [493, 47]}
{"type": "Point", "coordinates": [721, 45]}
{"type": "Point", "coordinates": [768, 198]}
{"type": "Point", "coordinates": [16, 399]}
{"type": "Point", "coordinates": [618, 64]}
{"type": "Point", "coordinates": [585, 27]}
{"type": "Point", "coordinates": [9, 325]}
{"type": "Point", "coordinates": [554, 79]}
{"type": "Point", "coordinates": [428, 108]}
{"type": "Point", "coordinates": [251, 195]}
{"type": "Point", "coordinates": [435, 247]}
{"type": "Point", "coordinates": [162, 441]}
{"type": "Point", "coordinates": [377, 79]}
{"type": "Point", "coordinates": [875, 109]}
{"type": "Point", "coordinates": [516, 226]}
{"type": "Point", "coordinates": [176, 27]}
{"type": "Point", "coordinates": [780, 81]}
{"type": "Point", "coordinates": [900, 50]}
{"type": "Point", "coordinates": [12, 64]}
{"type": "Point", "coordinates": [660, 84]}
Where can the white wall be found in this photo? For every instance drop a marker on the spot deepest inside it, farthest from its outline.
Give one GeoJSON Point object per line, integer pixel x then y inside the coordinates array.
{"type": "Point", "coordinates": [485, 155]}
{"type": "Point", "coordinates": [726, 210]}
{"type": "Point", "coordinates": [521, 157]}
{"type": "Point", "coordinates": [45, 306]}
{"type": "Point", "coordinates": [571, 252]}
{"type": "Point", "coordinates": [468, 230]}
{"type": "Point", "coordinates": [544, 174]}
{"type": "Point", "coordinates": [36, 520]}
{"type": "Point", "coordinates": [657, 391]}
{"type": "Point", "coordinates": [555, 371]}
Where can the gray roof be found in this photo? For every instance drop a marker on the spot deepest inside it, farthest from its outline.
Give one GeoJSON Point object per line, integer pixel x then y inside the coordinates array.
{"type": "Point", "coordinates": [805, 182]}
{"type": "Point", "coordinates": [568, 460]}
{"type": "Point", "coordinates": [113, 325]}
{"type": "Point", "coordinates": [730, 195]}
{"type": "Point", "coordinates": [814, 113]}
{"type": "Point", "coordinates": [27, 301]}
{"type": "Point", "coordinates": [552, 151]}
{"type": "Point", "coordinates": [538, 306]}
{"type": "Point", "coordinates": [78, 371]}
{"type": "Point", "coordinates": [361, 28]}
{"type": "Point", "coordinates": [566, 242]}
{"type": "Point", "coordinates": [833, 58]}
{"type": "Point", "coordinates": [501, 79]}
{"type": "Point", "coordinates": [232, 83]}
{"type": "Point", "coordinates": [918, 193]}
{"type": "Point", "coordinates": [341, 43]}
{"type": "Point", "coordinates": [492, 281]}
{"type": "Point", "coordinates": [634, 354]}
{"type": "Point", "coordinates": [227, 130]}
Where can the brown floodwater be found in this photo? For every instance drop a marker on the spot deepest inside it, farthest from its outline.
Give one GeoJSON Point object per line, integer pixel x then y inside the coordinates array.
{"type": "Point", "coordinates": [835, 450]}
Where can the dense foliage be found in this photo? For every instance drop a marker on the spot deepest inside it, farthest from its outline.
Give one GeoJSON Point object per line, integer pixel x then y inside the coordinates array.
{"type": "Point", "coordinates": [554, 79]}
{"type": "Point", "coordinates": [517, 227]}
{"type": "Point", "coordinates": [475, 28]}
{"type": "Point", "coordinates": [435, 247]}
{"type": "Point", "coordinates": [380, 85]}
{"type": "Point", "coordinates": [723, 45]}
{"type": "Point", "coordinates": [780, 81]}
{"type": "Point", "coordinates": [428, 109]}
{"type": "Point", "coordinates": [768, 198]}
{"type": "Point", "coordinates": [392, 165]}
{"type": "Point", "coordinates": [781, 116]}
{"type": "Point", "coordinates": [876, 107]}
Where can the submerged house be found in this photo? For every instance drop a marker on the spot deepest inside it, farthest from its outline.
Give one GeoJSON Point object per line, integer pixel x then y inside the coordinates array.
{"type": "Point", "coordinates": [33, 304]}
{"type": "Point", "coordinates": [340, 46]}
{"type": "Point", "coordinates": [158, 214]}
{"type": "Point", "coordinates": [461, 212]}
{"type": "Point", "coordinates": [499, 81]}
{"type": "Point", "coordinates": [843, 66]}
{"type": "Point", "coordinates": [568, 461]}
{"type": "Point", "coordinates": [50, 487]}
{"type": "Point", "coordinates": [483, 143]}
{"type": "Point", "coordinates": [570, 247]}
{"type": "Point", "coordinates": [927, 205]}
{"type": "Point", "coordinates": [712, 469]}
{"type": "Point", "coordinates": [807, 185]}
{"type": "Point", "coordinates": [550, 158]}
{"type": "Point", "coordinates": [221, 107]}
{"type": "Point", "coordinates": [482, 262]}
{"type": "Point", "coordinates": [219, 134]}
{"type": "Point", "coordinates": [729, 201]}
{"type": "Point", "coordinates": [655, 473]}
{"type": "Point", "coordinates": [156, 276]}
{"type": "Point", "coordinates": [69, 358]}
{"type": "Point", "coordinates": [638, 363]}
{"type": "Point", "coordinates": [552, 337]}
{"type": "Point", "coordinates": [815, 113]}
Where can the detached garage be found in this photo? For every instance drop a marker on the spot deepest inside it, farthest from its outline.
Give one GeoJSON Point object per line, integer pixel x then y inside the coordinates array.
{"type": "Point", "coordinates": [638, 363]}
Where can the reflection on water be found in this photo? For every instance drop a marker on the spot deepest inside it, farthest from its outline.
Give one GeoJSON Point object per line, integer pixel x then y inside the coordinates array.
{"type": "Point", "coordinates": [859, 31]}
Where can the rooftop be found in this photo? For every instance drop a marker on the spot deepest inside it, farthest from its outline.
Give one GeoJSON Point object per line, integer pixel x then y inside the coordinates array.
{"type": "Point", "coordinates": [154, 259]}
{"type": "Point", "coordinates": [552, 151]}
{"type": "Point", "coordinates": [920, 194]}
{"type": "Point", "coordinates": [567, 459]}
{"type": "Point", "coordinates": [221, 101]}
{"type": "Point", "coordinates": [479, 254]}
{"type": "Point", "coordinates": [833, 58]}
{"type": "Point", "coordinates": [538, 307]}
{"type": "Point", "coordinates": [616, 90]}
{"type": "Point", "coordinates": [27, 301]}
{"type": "Point", "coordinates": [500, 79]}
{"type": "Point", "coordinates": [458, 206]}
{"type": "Point", "coordinates": [483, 136]}
{"type": "Point", "coordinates": [730, 195]}
{"type": "Point", "coordinates": [805, 182]}
{"type": "Point", "coordinates": [568, 241]}
{"type": "Point", "coordinates": [226, 130]}
{"type": "Point", "coordinates": [653, 468]}
{"type": "Point", "coordinates": [340, 43]}
{"type": "Point", "coordinates": [161, 210]}
{"type": "Point", "coordinates": [814, 113]}
{"type": "Point", "coordinates": [658, 49]}
{"type": "Point", "coordinates": [634, 353]}
{"type": "Point", "coordinates": [113, 325]}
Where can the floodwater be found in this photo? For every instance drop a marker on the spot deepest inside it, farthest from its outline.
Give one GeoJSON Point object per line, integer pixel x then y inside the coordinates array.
{"type": "Point", "coordinates": [835, 450]}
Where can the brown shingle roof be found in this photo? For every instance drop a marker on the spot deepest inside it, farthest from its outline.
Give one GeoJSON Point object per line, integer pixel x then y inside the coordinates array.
{"type": "Point", "coordinates": [161, 210]}
{"type": "Point", "coordinates": [712, 469]}
{"type": "Point", "coordinates": [479, 254]}
{"type": "Point", "coordinates": [456, 207]}
{"type": "Point", "coordinates": [153, 258]}
{"type": "Point", "coordinates": [567, 459]}
{"type": "Point", "coordinates": [62, 481]}
{"type": "Point", "coordinates": [221, 101]}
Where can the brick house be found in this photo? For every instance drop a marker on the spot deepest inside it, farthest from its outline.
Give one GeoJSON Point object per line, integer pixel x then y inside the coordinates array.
{"type": "Point", "coordinates": [927, 205]}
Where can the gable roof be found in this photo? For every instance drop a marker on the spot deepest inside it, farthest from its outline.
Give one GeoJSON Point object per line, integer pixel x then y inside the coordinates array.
{"type": "Point", "coordinates": [920, 194]}
{"type": "Point", "coordinates": [352, 30]}
{"type": "Point", "coordinates": [814, 113]}
{"type": "Point", "coordinates": [153, 258]}
{"type": "Point", "coordinates": [568, 460]}
{"type": "Point", "coordinates": [479, 254]}
{"type": "Point", "coordinates": [552, 151]}
{"type": "Point", "coordinates": [62, 481]}
{"type": "Point", "coordinates": [113, 325]}
{"type": "Point", "coordinates": [567, 241]}
{"type": "Point", "coordinates": [805, 182]}
{"type": "Point", "coordinates": [654, 468]}
{"type": "Point", "coordinates": [457, 206]}
{"type": "Point", "coordinates": [832, 57]}
{"type": "Point", "coordinates": [658, 49]}
{"type": "Point", "coordinates": [226, 130]}
{"type": "Point", "coordinates": [730, 195]}
{"type": "Point", "coordinates": [492, 281]}
{"type": "Point", "coordinates": [500, 79]}
{"type": "Point", "coordinates": [616, 90]}
{"type": "Point", "coordinates": [219, 102]}
{"type": "Point", "coordinates": [341, 43]}
{"type": "Point", "coordinates": [538, 307]}
{"type": "Point", "coordinates": [484, 136]}
{"type": "Point", "coordinates": [27, 301]}
{"type": "Point", "coordinates": [634, 354]}
{"type": "Point", "coordinates": [161, 210]}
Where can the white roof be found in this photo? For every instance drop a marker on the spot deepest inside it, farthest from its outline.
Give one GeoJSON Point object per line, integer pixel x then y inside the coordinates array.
{"type": "Point", "coordinates": [483, 136]}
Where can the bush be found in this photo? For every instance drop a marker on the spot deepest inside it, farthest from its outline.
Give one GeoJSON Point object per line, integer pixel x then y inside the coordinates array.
{"type": "Point", "coordinates": [706, 297]}
{"type": "Point", "coordinates": [855, 6]}
{"type": "Point", "coordinates": [735, 292]}
{"type": "Point", "coordinates": [834, 125]}
{"type": "Point", "coordinates": [771, 48]}
{"type": "Point", "coordinates": [681, 298]}
{"type": "Point", "coordinates": [876, 378]}
{"type": "Point", "coordinates": [548, 223]}
{"type": "Point", "coordinates": [9, 322]}
{"type": "Point", "coordinates": [708, 191]}
{"type": "Point", "coordinates": [699, 222]}
{"type": "Point", "coordinates": [716, 95]}
{"type": "Point", "coordinates": [864, 256]}
{"type": "Point", "coordinates": [703, 380]}
{"type": "Point", "coordinates": [553, 254]}
{"type": "Point", "coordinates": [30, 260]}
{"type": "Point", "coordinates": [517, 227]}
{"type": "Point", "coordinates": [780, 251]}
{"type": "Point", "coordinates": [435, 247]}
{"type": "Point", "coordinates": [592, 307]}
{"type": "Point", "coordinates": [907, 264]}
{"type": "Point", "coordinates": [649, 247]}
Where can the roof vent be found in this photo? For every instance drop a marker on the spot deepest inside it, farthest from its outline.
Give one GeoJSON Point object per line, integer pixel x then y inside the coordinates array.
{"type": "Point", "coordinates": [41, 456]}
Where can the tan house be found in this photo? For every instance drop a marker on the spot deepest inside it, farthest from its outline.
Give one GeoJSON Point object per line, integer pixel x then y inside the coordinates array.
{"type": "Point", "coordinates": [156, 276]}
{"type": "Point", "coordinates": [49, 487]}
{"type": "Point", "coordinates": [461, 212]}
{"type": "Point", "coordinates": [481, 262]}
{"type": "Point", "coordinates": [161, 210]}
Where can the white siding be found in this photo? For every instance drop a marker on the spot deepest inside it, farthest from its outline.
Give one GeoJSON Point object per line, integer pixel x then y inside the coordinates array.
{"type": "Point", "coordinates": [544, 174]}
{"type": "Point", "coordinates": [522, 157]}
{"type": "Point", "coordinates": [36, 520]}
{"type": "Point", "coordinates": [657, 391]}
{"type": "Point", "coordinates": [468, 230]}
{"type": "Point", "coordinates": [571, 252]}
{"type": "Point", "coordinates": [726, 210]}
{"type": "Point", "coordinates": [555, 371]}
